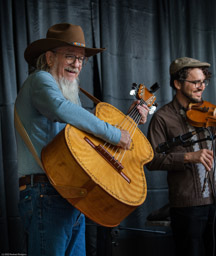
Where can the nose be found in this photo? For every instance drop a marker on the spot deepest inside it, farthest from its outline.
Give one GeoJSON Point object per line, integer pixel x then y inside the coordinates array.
{"type": "Point", "coordinates": [201, 85]}
{"type": "Point", "coordinates": [76, 63]}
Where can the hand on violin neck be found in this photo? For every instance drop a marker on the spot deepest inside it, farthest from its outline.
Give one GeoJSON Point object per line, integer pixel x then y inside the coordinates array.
{"type": "Point", "coordinates": [203, 156]}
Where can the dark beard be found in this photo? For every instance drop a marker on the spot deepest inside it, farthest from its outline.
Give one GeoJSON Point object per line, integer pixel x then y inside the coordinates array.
{"type": "Point", "coordinates": [192, 100]}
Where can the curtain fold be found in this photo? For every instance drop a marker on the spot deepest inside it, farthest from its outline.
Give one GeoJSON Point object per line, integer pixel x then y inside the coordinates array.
{"type": "Point", "coordinates": [141, 39]}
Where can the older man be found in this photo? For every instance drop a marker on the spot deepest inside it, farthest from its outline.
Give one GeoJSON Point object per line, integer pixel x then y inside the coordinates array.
{"type": "Point", "coordinates": [47, 101]}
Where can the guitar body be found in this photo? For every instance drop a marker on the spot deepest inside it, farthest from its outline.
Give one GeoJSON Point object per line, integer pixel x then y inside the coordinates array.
{"type": "Point", "coordinates": [105, 196]}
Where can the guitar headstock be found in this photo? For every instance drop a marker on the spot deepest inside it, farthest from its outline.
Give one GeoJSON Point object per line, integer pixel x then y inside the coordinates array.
{"type": "Point", "coordinates": [142, 93]}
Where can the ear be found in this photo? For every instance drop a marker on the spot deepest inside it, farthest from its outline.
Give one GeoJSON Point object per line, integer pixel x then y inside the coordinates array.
{"type": "Point", "coordinates": [177, 84]}
{"type": "Point", "coordinates": [50, 58]}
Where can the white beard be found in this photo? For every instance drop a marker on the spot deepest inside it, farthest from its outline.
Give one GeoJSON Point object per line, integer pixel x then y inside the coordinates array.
{"type": "Point", "coordinates": [70, 90]}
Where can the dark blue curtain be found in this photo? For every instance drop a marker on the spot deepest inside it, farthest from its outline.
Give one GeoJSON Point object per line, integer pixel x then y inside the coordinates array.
{"type": "Point", "coordinates": [141, 37]}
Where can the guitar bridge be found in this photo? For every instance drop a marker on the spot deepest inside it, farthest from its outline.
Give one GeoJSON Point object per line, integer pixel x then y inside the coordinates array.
{"type": "Point", "coordinates": [109, 158]}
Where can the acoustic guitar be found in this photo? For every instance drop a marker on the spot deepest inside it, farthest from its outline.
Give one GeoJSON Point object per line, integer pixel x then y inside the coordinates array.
{"type": "Point", "coordinates": [103, 181]}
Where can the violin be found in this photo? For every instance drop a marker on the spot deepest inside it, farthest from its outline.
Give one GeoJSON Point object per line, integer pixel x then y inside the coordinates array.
{"type": "Point", "coordinates": [201, 114]}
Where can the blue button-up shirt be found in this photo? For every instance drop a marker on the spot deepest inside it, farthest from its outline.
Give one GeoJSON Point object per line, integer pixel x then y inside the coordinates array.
{"type": "Point", "coordinates": [44, 112]}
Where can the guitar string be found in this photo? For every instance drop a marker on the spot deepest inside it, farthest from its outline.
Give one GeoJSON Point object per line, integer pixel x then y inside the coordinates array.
{"type": "Point", "coordinates": [134, 114]}
{"type": "Point", "coordinates": [128, 124]}
{"type": "Point", "coordinates": [136, 117]}
{"type": "Point", "coordinates": [124, 123]}
{"type": "Point", "coordinates": [131, 129]}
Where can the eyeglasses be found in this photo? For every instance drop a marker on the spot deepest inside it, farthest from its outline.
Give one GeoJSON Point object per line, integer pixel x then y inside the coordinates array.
{"type": "Point", "coordinates": [70, 58]}
{"type": "Point", "coordinates": [197, 83]}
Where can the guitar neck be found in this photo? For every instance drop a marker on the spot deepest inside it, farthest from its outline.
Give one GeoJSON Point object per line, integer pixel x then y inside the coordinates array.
{"type": "Point", "coordinates": [134, 113]}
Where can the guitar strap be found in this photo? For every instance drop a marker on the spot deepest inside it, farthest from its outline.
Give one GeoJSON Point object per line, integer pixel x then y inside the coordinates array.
{"type": "Point", "coordinates": [93, 98]}
{"type": "Point", "coordinates": [23, 133]}
{"type": "Point", "coordinates": [74, 192]}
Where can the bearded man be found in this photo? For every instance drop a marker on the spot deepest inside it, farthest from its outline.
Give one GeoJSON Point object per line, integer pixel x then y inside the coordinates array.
{"type": "Point", "coordinates": [47, 101]}
{"type": "Point", "coordinates": [191, 179]}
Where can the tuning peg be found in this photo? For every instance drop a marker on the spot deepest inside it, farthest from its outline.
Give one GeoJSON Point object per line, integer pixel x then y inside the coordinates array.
{"type": "Point", "coordinates": [154, 87]}
{"type": "Point", "coordinates": [134, 85]}
{"type": "Point", "coordinates": [133, 91]}
{"type": "Point", "coordinates": [152, 109]}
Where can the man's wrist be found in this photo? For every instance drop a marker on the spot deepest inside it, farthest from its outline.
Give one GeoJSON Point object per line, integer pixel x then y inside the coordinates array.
{"type": "Point", "coordinates": [186, 157]}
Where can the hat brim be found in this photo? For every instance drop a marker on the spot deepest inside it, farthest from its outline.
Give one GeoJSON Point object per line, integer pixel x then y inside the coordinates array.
{"type": "Point", "coordinates": [35, 49]}
{"type": "Point", "coordinates": [197, 65]}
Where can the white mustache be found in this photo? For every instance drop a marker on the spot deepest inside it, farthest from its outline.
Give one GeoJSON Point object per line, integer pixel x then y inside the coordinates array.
{"type": "Point", "coordinates": [75, 70]}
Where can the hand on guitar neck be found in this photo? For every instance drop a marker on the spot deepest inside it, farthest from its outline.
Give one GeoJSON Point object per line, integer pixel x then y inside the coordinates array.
{"type": "Point", "coordinates": [143, 110]}
{"type": "Point", "coordinates": [125, 140]}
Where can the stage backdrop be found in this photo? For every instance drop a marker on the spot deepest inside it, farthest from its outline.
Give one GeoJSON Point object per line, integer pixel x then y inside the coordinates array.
{"type": "Point", "coordinates": [141, 38]}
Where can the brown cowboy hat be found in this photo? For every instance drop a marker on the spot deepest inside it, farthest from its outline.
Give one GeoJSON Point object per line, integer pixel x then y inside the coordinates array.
{"type": "Point", "coordinates": [63, 34]}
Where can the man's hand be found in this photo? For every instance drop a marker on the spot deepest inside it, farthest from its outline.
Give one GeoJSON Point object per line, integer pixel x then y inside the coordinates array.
{"type": "Point", "coordinates": [125, 140]}
{"type": "Point", "coordinates": [204, 156]}
{"type": "Point", "coordinates": [143, 110]}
